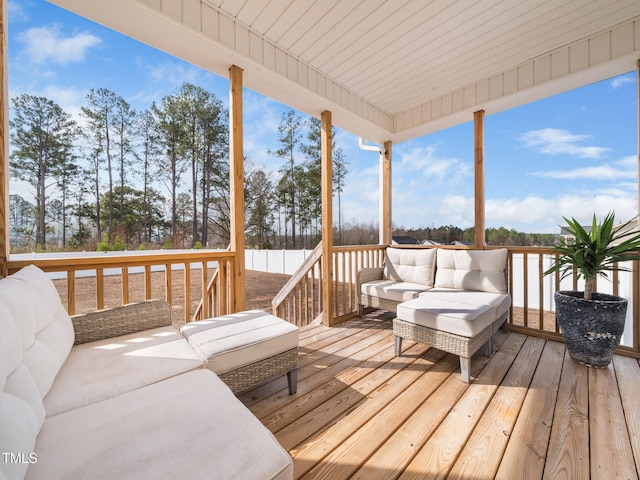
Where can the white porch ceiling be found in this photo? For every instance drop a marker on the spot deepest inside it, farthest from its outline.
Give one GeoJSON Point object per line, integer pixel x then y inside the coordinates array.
{"type": "Point", "coordinates": [390, 69]}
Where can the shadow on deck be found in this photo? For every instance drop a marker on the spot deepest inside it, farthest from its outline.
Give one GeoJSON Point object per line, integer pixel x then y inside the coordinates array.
{"type": "Point", "coordinates": [530, 412]}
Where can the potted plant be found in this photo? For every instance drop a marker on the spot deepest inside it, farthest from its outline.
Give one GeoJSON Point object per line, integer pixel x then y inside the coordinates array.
{"type": "Point", "coordinates": [592, 323]}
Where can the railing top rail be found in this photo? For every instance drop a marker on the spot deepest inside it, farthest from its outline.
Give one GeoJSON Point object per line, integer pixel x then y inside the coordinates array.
{"type": "Point", "coordinates": [115, 261]}
{"type": "Point", "coordinates": [358, 248]}
{"type": "Point", "coordinates": [315, 255]}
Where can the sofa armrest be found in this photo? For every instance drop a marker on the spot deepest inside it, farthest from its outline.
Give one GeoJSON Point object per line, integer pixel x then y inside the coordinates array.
{"type": "Point", "coordinates": [365, 275]}
{"type": "Point", "coordinates": [123, 320]}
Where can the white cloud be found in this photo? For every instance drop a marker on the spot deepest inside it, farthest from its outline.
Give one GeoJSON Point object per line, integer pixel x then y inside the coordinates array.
{"type": "Point", "coordinates": [626, 79]}
{"type": "Point", "coordinates": [624, 169]}
{"type": "Point", "coordinates": [175, 73]}
{"type": "Point", "coordinates": [48, 44]}
{"type": "Point", "coordinates": [69, 99]}
{"type": "Point", "coordinates": [543, 214]}
{"type": "Point", "coordinates": [16, 12]}
{"type": "Point", "coordinates": [555, 141]}
{"type": "Point", "coordinates": [426, 161]}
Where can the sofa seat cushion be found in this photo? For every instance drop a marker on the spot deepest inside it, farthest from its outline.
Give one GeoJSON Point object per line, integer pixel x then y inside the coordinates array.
{"type": "Point", "coordinates": [415, 265]}
{"type": "Point", "coordinates": [100, 370]}
{"type": "Point", "coordinates": [239, 339]}
{"type": "Point", "coordinates": [188, 426]}
{"type": "Point", "coordinates": [500, 301]}
{"type": "Point", "coordinates": [392, 290]}
{"type": "Point", "coordinates": [448, 316]}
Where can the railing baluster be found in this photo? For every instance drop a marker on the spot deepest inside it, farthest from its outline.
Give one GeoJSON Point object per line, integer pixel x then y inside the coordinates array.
{"type": "Point", "coordinates": [147, 282]}
{"type": "Point", "coordinates": [525, 286]}
{"type": "Point", "coordinates": [203, 282]}
{"type": "Point", "coordinates": [540, 293]}
{"type": "Point", "coordinates": [187, 292]}
{"type": "Point", "coordinates": [125, 285]}
{"type": "Point", "coordinates": [168, 284]}
{"type": "Point", "coordinates": [635, 282]}
{"type": "Point", "coordinates": [71, 292]}
{"type": "Point", "coordinates": [510, 287]}
{"type": "Point", "coordinates": [99, 288]}
{"type": "Point", "coordinates": [225, 295]}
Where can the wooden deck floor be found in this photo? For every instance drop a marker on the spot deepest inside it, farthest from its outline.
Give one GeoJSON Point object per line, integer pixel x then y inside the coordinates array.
{"type": "Point", "coordinates": [530, 413]}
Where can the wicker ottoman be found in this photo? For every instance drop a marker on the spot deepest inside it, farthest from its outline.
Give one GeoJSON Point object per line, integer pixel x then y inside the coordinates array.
{"type": "Point", "coordinates": [458, 328]}
{"type": "Point", "coordinates": [246, 349]}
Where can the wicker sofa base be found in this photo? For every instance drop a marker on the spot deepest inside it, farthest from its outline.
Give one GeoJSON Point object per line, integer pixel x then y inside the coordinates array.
{"type": "Point", "coordinates": [376, 302]}
{"type": "Point", "coordinates": [464, 347]}
{"type": "Point", "coordinates": [257, 373]}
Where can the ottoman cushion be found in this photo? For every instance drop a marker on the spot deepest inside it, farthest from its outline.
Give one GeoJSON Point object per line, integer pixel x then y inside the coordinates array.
{"type": "Point", "coordinates": [239, 339]}
{"type": "Point", "coordinates": [500, 301]}
{"type": "Point", "coordinates": [447, 316]}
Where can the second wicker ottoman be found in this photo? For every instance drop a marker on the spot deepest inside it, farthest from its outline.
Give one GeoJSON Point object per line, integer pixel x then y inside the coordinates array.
{"type": "Point", "coordinates": [247, 349]}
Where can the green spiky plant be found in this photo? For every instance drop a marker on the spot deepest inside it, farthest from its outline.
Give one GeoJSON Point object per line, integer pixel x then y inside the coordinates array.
{"type": "Point", "coordinates": [597, 252]}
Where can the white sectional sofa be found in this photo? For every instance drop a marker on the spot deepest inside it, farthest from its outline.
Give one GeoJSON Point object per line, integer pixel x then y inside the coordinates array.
{"type": "Point", "coordinates": [457, 309]}
{"type": "Point", "coordinates": [139, 405]}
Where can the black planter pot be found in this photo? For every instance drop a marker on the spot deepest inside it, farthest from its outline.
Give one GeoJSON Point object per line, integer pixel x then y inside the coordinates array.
{"type": "Point", "coordinates": [591, 329]}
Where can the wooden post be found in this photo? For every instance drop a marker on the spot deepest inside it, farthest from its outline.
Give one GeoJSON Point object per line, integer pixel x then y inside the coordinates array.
{"type": "Point", "coordinates": [236, 174]}
{"type": "Point", "coordinates": [385, 227]}
{"type": "Point", "coordinates": [327, 219]}
{"type": "Point", "coordinates": [478, 133]}
{"type": "Point", "coordinates": [636, 265]}
{"type": "Point", "coordinates": [638, 127]}
{"type": "Point", "coordinates": [4, 143]}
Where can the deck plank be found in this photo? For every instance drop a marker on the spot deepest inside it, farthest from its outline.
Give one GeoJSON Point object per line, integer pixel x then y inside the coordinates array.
{"type": "Point", "coordinates": [312, 421]}
{"type": "Point", "coordinates": [480, 458]}
{"type": "Point", "coordinates": [313, 375]}
{"type": "Point", "coordinates": [325, 342]}
{"type": "Point", "coordinates": [397, 452]}
{"type": "Point", "coordinates": [611, 455]}
{"type": "Point", "coordinates": [388, 385]}
{"type": "Point", "coordinates": [345, 460]}
{"type": "Point", "coordinates": [628, 373]}
{"type": "Point", "coordinates": [360, 412]}
{"type": "Point", "coordinates": [438, 455]}
{"type": "Point", "coordinates": [302, 404]}
{"type": "Point", "coordinates": [524, 457]}
{"type": "Point", "coordinates": [568, 453]}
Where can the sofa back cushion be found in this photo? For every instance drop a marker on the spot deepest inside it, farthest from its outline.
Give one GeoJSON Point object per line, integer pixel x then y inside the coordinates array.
{"type": "Point", "coordinates": [410, 265]}
{"type": "Point", "coordinates": [21, 408]}
{"type": "Point", "coordinates": [480, 270]}
{"type": "Point", "coordinates": [46, 331]}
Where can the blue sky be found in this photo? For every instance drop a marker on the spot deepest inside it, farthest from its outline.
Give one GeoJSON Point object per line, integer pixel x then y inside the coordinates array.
{"type": "Point", "coordinates": [569, 155]}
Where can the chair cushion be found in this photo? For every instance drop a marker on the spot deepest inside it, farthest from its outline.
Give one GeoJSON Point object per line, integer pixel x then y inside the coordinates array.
{"type": "Point", "coordinates": [392, 290]}
{"type": "Point", "coordinates": [410, 265]}
{"type": "Point", "coordinates": [453, 317]}
{"type": "Point", "coordinates": [96, 371]}
{"type": "Point", "coordinates": [481, 270]}
{"type": "Point", "coordinates": [240, 339]}
{"type": "Point", "coordinates": [500, 301]}
{"type": "Point", "coordinates": [188, 426]}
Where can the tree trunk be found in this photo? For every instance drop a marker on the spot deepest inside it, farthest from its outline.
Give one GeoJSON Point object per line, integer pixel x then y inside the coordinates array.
{"type": "Point", "coordinates": [589, 288]}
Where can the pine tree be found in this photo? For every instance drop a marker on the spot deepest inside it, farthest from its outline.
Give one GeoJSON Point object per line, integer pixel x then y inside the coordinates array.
{"type": "Point", "coordinates": [42, 136]}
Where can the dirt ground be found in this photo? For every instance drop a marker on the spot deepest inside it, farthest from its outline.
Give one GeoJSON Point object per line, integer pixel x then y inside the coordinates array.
{"type": "Point", "coordinates": [261, 288]}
